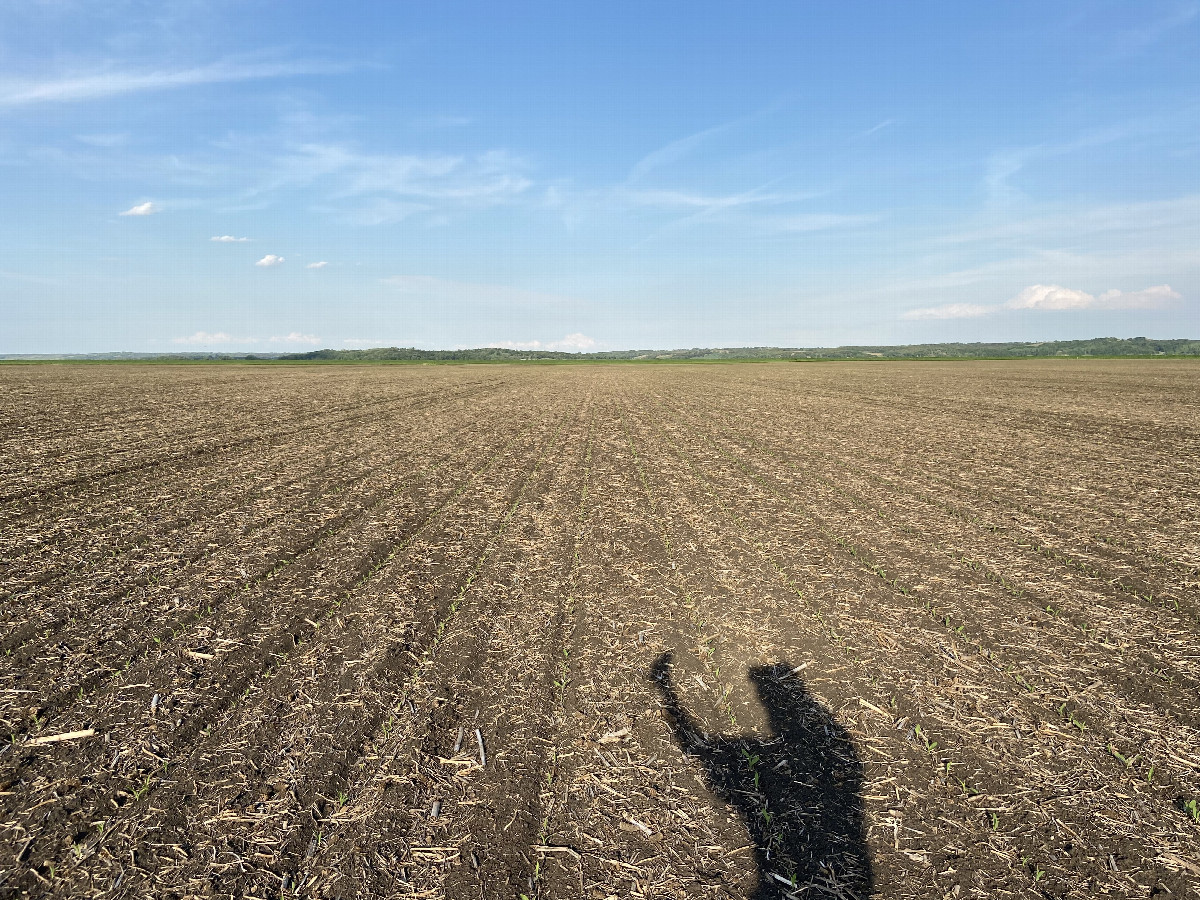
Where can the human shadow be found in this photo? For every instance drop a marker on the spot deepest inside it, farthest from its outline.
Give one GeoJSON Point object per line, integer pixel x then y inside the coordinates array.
{"type": "Point", "coordinates": [798, 791]}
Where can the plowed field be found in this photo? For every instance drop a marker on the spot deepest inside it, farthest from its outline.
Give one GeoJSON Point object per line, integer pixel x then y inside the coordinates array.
{"type": "Point", "coordinates": [805, 630]}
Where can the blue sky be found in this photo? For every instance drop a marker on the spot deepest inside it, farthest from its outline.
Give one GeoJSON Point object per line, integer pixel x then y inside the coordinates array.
{"type": "Point", "coordinates": [281, 176]}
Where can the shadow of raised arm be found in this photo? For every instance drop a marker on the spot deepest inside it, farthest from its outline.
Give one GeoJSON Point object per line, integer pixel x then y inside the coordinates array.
{"type": "Point", "coordinates": [797, 790]}
{"type": "Point", "coordinates": [687, 730]}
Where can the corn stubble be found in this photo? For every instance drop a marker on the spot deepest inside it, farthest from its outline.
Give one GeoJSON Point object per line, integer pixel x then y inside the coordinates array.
{"type": "Point", "coordinates": [836, 630]}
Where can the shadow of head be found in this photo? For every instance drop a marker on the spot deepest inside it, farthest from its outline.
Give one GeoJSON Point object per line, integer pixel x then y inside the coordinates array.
{"type": "Point", "coordinates": [798, 789]}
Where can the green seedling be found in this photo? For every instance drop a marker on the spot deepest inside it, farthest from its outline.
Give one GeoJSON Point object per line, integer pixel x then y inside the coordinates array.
{"type": "Point", "coordinates": [1072, 718]}
{"type": "Point", "coordinates": [995, 822]}
{"type": "Point", "coordinates": [140, 792]}
{"type": "Point", "coordinates": [1193, 810]}
{"type": "Point", "coordinates": [930, 746]}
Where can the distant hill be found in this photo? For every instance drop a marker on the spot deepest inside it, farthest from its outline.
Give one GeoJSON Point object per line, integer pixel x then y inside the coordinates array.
{"type": "Point", "coordinates": [1106, 347]}
{"type": "Point", "coordinates": [1097, 347]}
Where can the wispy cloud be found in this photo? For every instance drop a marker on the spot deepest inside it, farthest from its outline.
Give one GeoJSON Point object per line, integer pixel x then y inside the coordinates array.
{"type": "Point", "coordinates": [1174, 214]}
{"type": "Point", "coordinates": [317, 265]}
{"type": "Point", "coordinates": [381, 188]}
{"type": "Point", "coordinates": [694, 200]}
{"type": "Point", "coordinates": [148, 208]}
{"type": "Point", "coordinates": [886, 123]}
{"type": "Point", "coordinates": [229, 239]}
{"type": "Point", "coordinates": [683, 147]}
{"type": "Point", "coordinates": [443, 291]}
{"type": "Point", "coordinates": [1135, 40]}
{"type": "Point", "coordinates": [676, 150]}
{"type": "Point", "coordinates": [102, 140]}
{"type": "Point", "coordinates": [108, 82]}
{"type": "Point", "coordinates": [1003, 164]}
{"type": "Point", "coordinates": [443, 121]}
{"type": "Point", "coordinates": [816, 221]}
{"type": "Point", "coordinates": [269, 261]}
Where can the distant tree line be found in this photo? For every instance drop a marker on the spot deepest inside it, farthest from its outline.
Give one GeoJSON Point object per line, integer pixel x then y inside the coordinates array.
{"type": "Point", "coordinates": [1138, 346]}
{"type": "Point", "coordinates": [1097, 347]}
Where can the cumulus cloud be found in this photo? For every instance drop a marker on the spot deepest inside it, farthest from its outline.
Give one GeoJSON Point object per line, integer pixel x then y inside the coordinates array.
{"type": "Point", "coordinates": [142, 209]}
{"type": "Point", "coordinates": [210, 337]}
{"type": "Point", "coordinates": [949, 311]}
{"type": "Point", "coordinates": [1148, 298]}
{"type": "Point", "coordinates": [229, 239]}
{"type": "Point", "coordinates": [577, 342]}
{"type": "Point", "coordinates": [369, 343]}
{"type": "Point", "coordinates": [317, 265]}
{"type": "Point", "coordinates": [1055, 297]}
{"type": "Point", "coordinates": [269, 260]}
{"type": "Point", "coordinates": [1051, 296]}
{"type": "Point", "coordinates": [571, 343]}
{"type": "Point", "coordinates": [295, 337]}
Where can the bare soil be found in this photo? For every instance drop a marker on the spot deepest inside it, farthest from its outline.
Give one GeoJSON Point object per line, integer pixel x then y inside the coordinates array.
{"type": "Point", "coordinates": [785, 630]}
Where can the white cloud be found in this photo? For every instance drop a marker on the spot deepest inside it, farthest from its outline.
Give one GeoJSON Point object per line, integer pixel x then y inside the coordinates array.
{"type": "Point", "coordinates": [1051, 296]}
{"type": "Point", "coordinates": [949, 311]}
{"type": "Point", "coordinates": [572, 343]}
{"type": "Point", "coordinates": [210, 338]}
{"type": "Point", "coordinates": [269, 260]}
{"type": "Point", "coordinates": [1055, 297]}
{"type": "Point", "coordinates": [142, 209]}
{"type": "Point", "coordinates": [317, 265]}
{"type": "Point", "coordinates": [1148, 298]}
{"type": "Point", "coordinates": [213, 337]}
{"type": "Point", "coordinates": [108, 83]}
{"type": "Point", "coordinates": [576, 341]}
{"type": "Point", "coordinates": [369, 343]}
{"type": "Point", "coordinates": [229, 239]}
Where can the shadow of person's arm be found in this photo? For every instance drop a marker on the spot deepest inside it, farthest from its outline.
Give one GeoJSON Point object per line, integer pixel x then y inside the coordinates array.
{"type": "Point", "coordinates": [687, 729]}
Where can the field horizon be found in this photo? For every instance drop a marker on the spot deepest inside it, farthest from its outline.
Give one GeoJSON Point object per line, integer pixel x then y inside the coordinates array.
{"type": "Point", "coordinates": [1090, 348]}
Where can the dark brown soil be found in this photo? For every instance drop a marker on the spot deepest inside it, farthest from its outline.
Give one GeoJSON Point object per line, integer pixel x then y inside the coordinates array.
{"type": "Point", "coordinates": [787, 630]}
